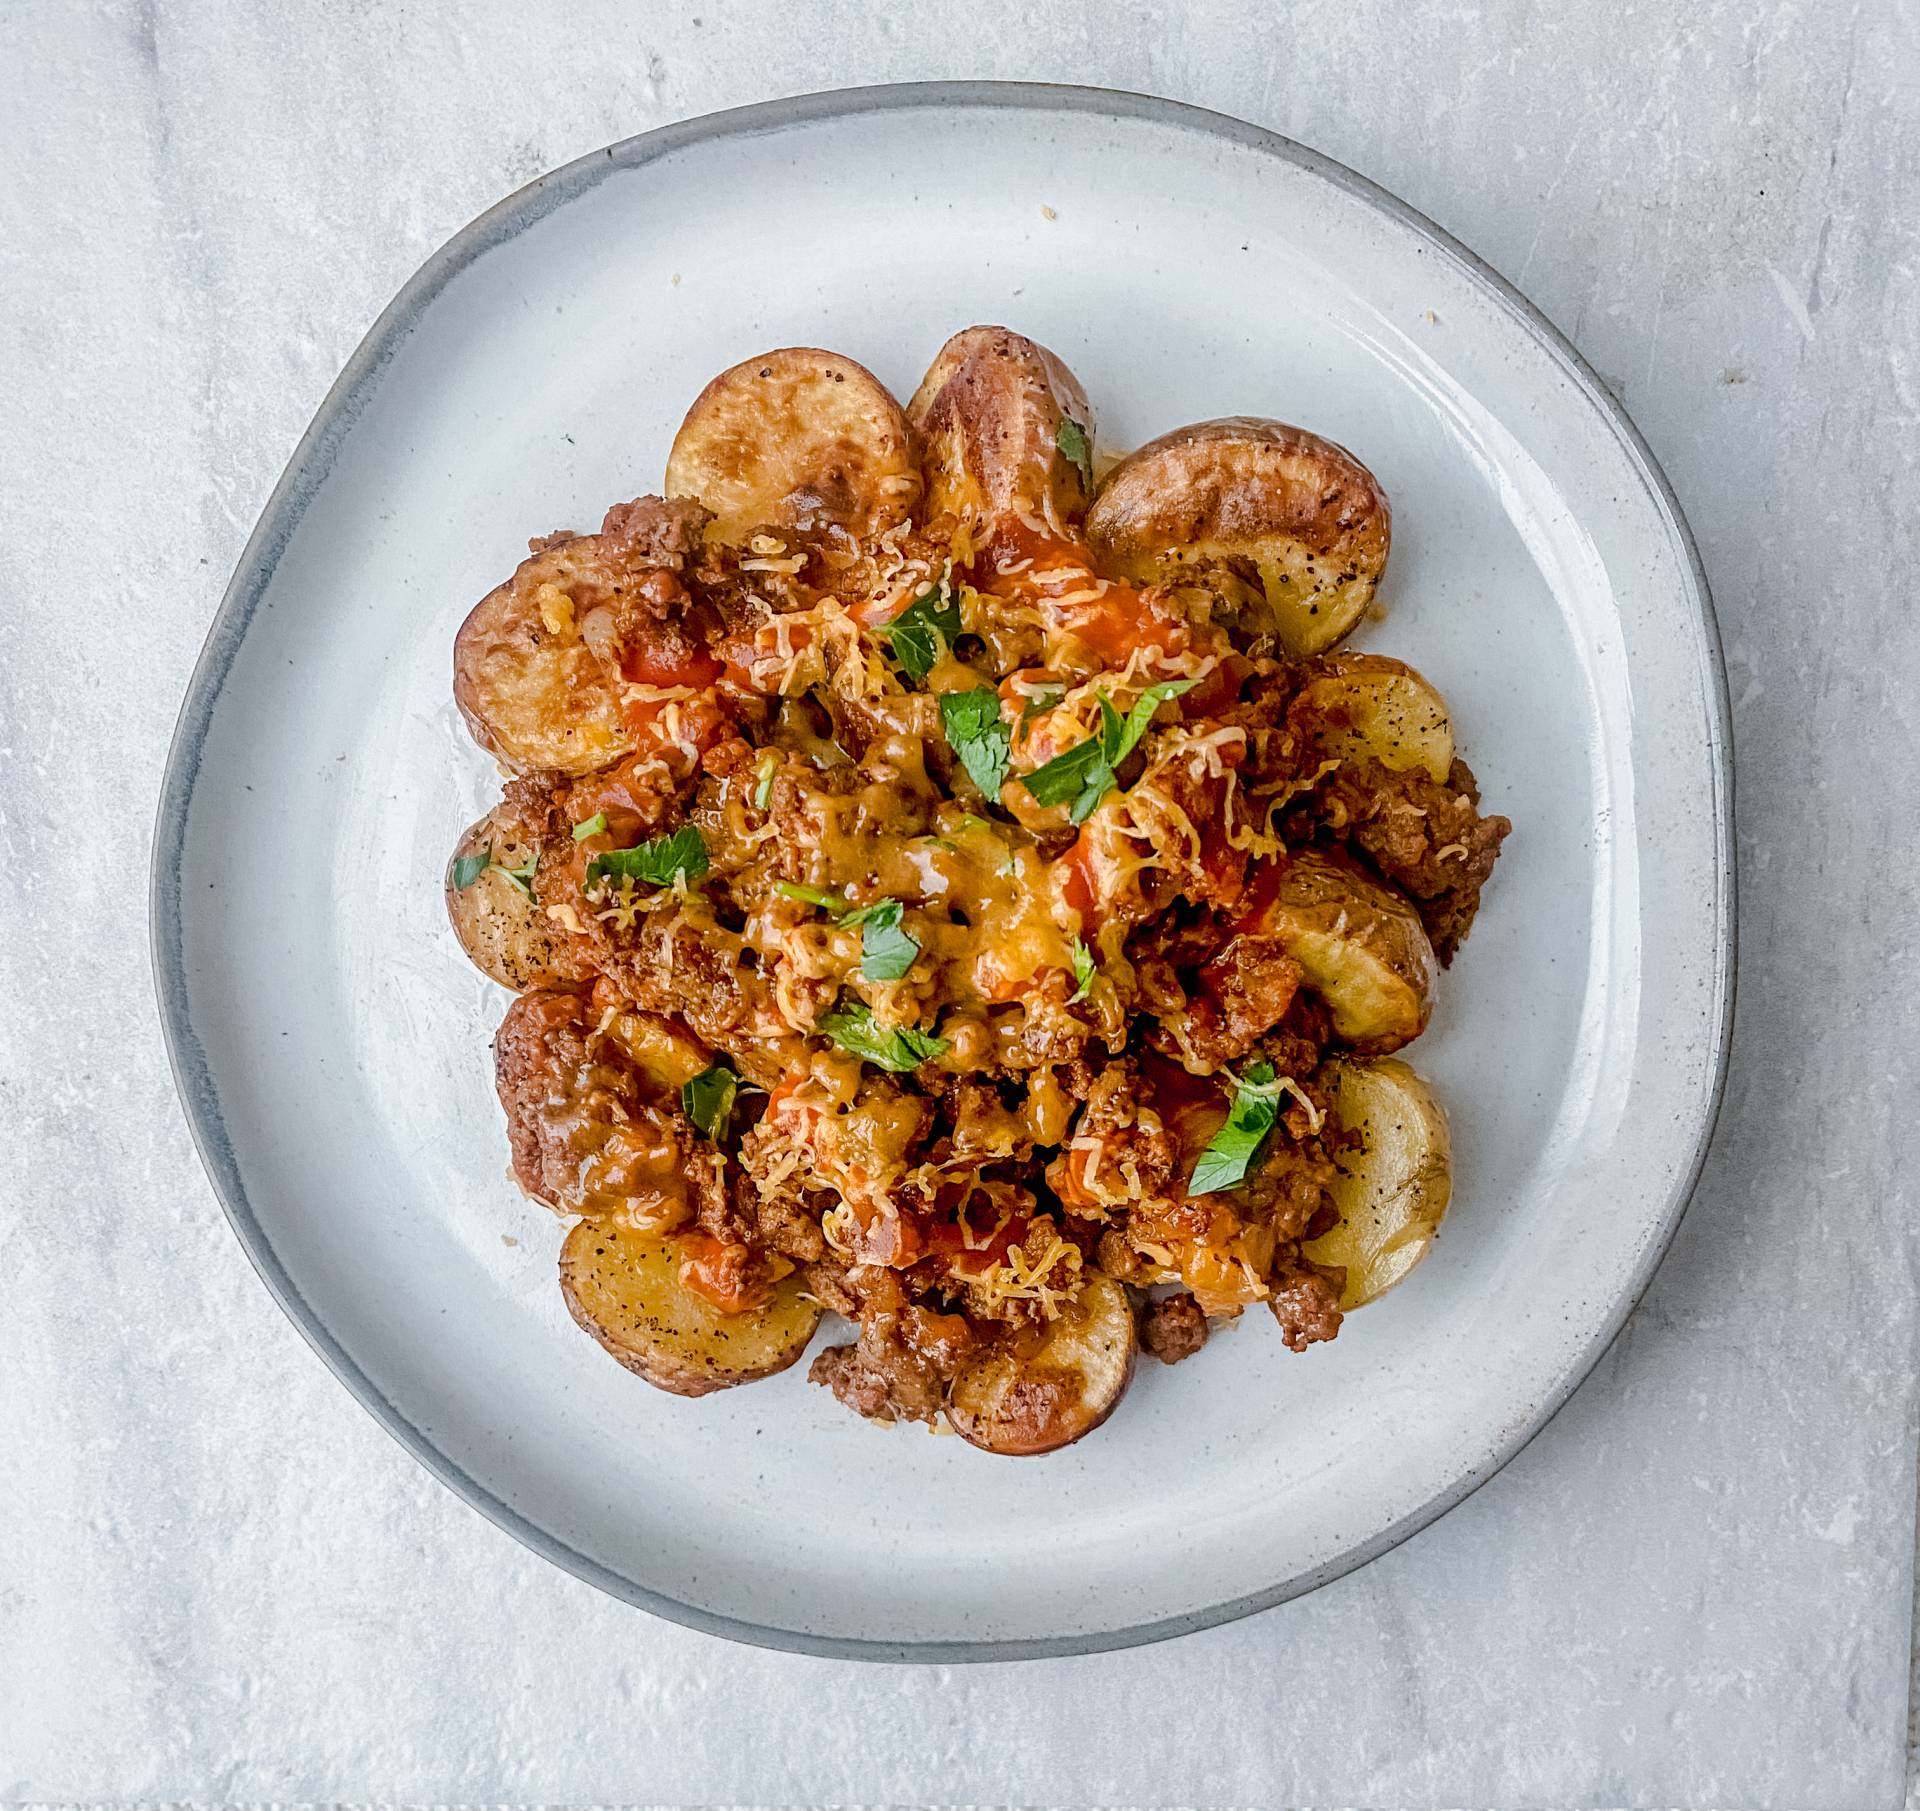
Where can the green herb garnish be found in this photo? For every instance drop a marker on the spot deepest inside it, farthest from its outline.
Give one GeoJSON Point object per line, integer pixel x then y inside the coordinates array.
{"type": "Point", "coordinates": [1083, 971]}
{"type": "Point", "coordinates": [1044, 699]}
{"type": "Point", "coordinates": [1071, 438]}
{"type": "Point", "coordinates": [659, 863]}
{"type": "Point", "coordinates": [708, 1100]}
{"type": "Point", "coordinates": [895, 1047]}
{"type": "Point", "coordinates": [886, 950]}
{"type": "Point", "coordinates": [522, 876]}
{"type": "Point", "coordinates": [1239, 1144]}
{"type": "Point", "coordinates": [926, 628]}
{"type": "Point", "coordinates": [803, 894]}
{"type": "Point", "coordinates": [469, 868]}
{"type": "Point", "coordinates": [976, 734]}
{"type": "Point", "coordinates": [769, 766]}
{"type": "Point", "coordinates": [1078, 779]}
{"type": "Point", "coordinates": [1084, 775]}
{"type": "Point", "coordinates": [594, 826]}
{"type": "Point", "coordinates": [1141, 715]}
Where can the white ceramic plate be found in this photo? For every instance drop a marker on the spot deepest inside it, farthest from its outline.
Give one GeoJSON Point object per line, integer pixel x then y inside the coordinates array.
{"type": "Point", "coordinates": [331, 1045]}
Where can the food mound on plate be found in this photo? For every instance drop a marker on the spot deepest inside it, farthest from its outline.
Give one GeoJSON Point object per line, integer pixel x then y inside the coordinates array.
{"type": "Point", "coordinates": [973, 898]}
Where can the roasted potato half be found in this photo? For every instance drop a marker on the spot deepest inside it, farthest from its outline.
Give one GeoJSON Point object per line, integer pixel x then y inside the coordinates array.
{"type": "Point", "coordinates": [494, 914]}
{"type": "Point", "coordinates": [624, 1287]}
{"type": "Point", "coordinates": [1362, 947]}
{"type": "Point", "coordinates": [532, 690]}
{"type": "Point", "coordinates": [1292, 526]}
{"type": "Point", "coordinates": [1367, 707]}
{"type": "Point", "coordinates": [1026, 1401]}
{"type": "Point", "coordinates": [1005, 432]}
{"type": "Point", "coordinates": [1393, 1186]}
{"type": "Point", "coordinates": [797, 438]}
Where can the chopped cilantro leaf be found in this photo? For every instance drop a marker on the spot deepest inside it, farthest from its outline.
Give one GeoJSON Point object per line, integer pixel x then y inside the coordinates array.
{"type": "Point", "coordinates": [708, 1100]}
{"type": "Point", "coordinates": [1239, 1144]}
{"type": "Point", "coordinates": [1083, 971]}
{"type": "Point", "coordinates": [1126, 736]}
{"type": "Point", "coordinates": [659, 863]}
{"type": "Point", "coordinates": [1071, 438]}
{"type": "Point", "coordinates": [594, 826]}
{"type": "Point", "coordinates": [882, 911]}
{"type": "Point", "coordinates": [976, 734]}
{"type": "Point", "coordinates": [1084, 775]}
{"type": "Point", "coordinates": [927, 626]}
{"type": "Point", "coordinates": [469, 868]}
{"type": "Point", "coordinates": [896, 1047]}
{"type": "Point", "coordinates": [1078, 779]}
{"type": "Point", "coordinates": [887, 950]}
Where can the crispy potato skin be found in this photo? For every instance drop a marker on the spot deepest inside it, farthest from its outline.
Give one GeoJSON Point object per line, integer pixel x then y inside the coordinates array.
{"type": "Point", "coordinates": [535, 697]}
{"type": "Point", "coordinates": [796, 438]}
{"type": "Point", "coordinates": [1393, 1186]}
{"type": "Point", "coordinates": [1023, 1403]}
{"type": "Point", "coordinates": [988, 413]}
{"type": "Point", "coordinates": [1277, 513]}
{"type": "Point", "coordinates": [1362, 948]}
{"type": "Point", "coordinates": [624, 1287]}
{"type": "Point", "coordinates": [1357, 707]}
{"type": "Point", "coordinates": [540, 664]}
{"type": "Point", "coordinates": [499, 924]}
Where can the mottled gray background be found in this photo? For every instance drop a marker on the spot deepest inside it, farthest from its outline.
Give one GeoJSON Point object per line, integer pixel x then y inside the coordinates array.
{"type": "Point", "coordinates": [219, 1580]}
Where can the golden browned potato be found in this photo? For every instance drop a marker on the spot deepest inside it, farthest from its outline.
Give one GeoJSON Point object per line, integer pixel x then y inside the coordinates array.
{"type": "Point", "coordinates": [1393, 1187]}
{"type": "Point", "coordinates": [624, 1287]}
{"type": "Point", "coordinates": [797, 438]}
{"type": "Point", "coordinates": [531, 687]}
{"type": "Point", "coordinates": [1293, 526]}
{"type": "Point", "coordinates": [1362, 947]}
{"type": "Point", "coordinates": [1005, 432]}
{"type": "Point", "coordinates": [494, 914]}
{"type": "Point", "coordinates": [1365, 706]}
{"type": "Point", "coordinates": [1037, 1401]}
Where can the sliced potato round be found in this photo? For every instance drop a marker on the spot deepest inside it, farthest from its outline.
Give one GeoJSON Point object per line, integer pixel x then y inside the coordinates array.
{"type": "Point", "coordinates": [533, 692]}
{"type": "Point", "coordinates": [992, 414]}
{"type": "Point", "coordinates": [503, 930]}
{"type": "Point", "coordinates": [1363, 948]}
{"type": "Point", "coordinates": [797, 438]}
{"type": "Point", "coordinates": [624, 1287]}
{"type": "Point", "coordinates": [1393, 1186]}
{"type": "Point", "coordinates": [1367, 707]}
{"type": "Point", "coordinates": [1038, 1401]}
{"type": "Point", "coordinates": [1296, 525]}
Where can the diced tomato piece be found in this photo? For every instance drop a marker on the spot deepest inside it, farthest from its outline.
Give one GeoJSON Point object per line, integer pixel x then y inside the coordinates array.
{"type": "Point", "coordinates": [1076, 882]}
{"type": "Point", "coordinates": [728, 1276]}
{"type": "Point", "coordinates": [670, 661]}
{"type": "Point", "coordinates": [1218, 691]}
{"type": "Point", "coordinates": [1263, 889]}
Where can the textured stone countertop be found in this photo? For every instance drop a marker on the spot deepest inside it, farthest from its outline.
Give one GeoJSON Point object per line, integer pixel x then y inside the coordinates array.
{"type": "Point", "coordinates": [219, 1580]}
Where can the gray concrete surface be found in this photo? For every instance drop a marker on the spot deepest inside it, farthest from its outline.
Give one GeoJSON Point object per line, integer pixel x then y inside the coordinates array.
{"type": "Point", "coordinates": [219, 1580]}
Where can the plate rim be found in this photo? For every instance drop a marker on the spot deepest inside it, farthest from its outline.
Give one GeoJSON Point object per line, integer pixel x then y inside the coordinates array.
{"type": "Point", "coordinates": [308, 469]}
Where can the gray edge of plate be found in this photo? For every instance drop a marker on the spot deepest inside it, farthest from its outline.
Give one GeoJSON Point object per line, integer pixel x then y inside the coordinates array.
{"type": "Point", "coordinates": [308, 469]}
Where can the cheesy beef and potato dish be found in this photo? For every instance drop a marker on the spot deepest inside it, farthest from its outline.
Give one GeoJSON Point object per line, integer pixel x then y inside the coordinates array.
{"type": "Point", "coordinates": [979, 901]}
